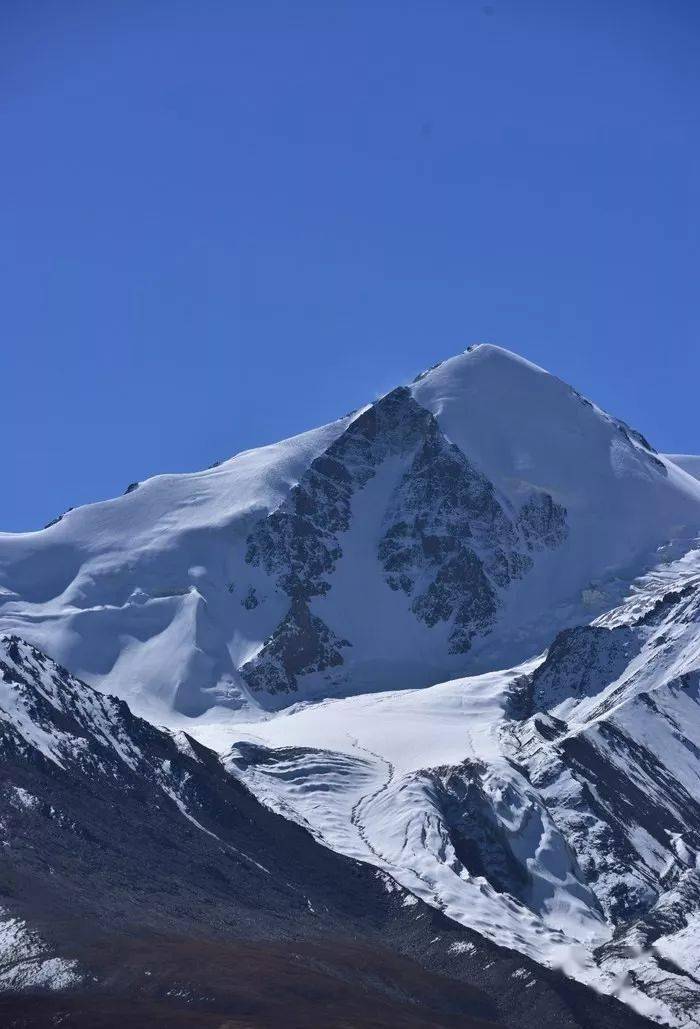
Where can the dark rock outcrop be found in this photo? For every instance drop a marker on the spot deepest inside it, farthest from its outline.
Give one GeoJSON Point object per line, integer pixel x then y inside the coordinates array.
{"type": "Point", "coordinates": [447, 541]}
{"type": "Point", "coordinates": [301, 643]}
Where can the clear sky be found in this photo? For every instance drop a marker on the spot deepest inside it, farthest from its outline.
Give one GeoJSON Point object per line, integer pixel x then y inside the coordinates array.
{"type": "Point", "coordinates": [224, 222]}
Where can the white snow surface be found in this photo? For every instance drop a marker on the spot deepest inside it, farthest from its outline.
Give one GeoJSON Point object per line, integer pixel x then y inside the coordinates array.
{"type": "Point", "coordinates": [142, 596]}
{"type": "Point", "coordinates": [132, 594]}
{"type": "Point", "coordinates": [26, 962]}
{"type": "Point", "coordinates": [364, 792]}
{"type": "Point", "coordinates": [360, 774]}
{"type": "Point", "coordinates": [690, 463]}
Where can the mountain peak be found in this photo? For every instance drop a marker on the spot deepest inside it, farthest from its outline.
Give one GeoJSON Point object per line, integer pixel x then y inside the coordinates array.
{"type": "Point", "coordinates": [471, 514]}
{"type": "Point", "coordinates": [479, 355]}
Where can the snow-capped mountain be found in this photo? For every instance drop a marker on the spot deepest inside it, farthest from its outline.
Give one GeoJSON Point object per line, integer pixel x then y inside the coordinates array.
{"type": "Point", "coordinates": [328, 620]}
{"type": "Point", "coordinates": [451, 527]}
{"type": "Point", "coordinates": [141, 883]}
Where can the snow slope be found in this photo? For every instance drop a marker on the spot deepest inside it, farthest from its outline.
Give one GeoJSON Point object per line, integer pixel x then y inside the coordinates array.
{"type": "Point", "coordinates": [690, 463]}
{"type": "Point", "coordinates": [451, 527]}
{"type": "Point", "coordinates": [531, 430]}
{"type": "Point", "coordinates": [26, 962]}
{"type": "Point", "coordinates": [132, 594]}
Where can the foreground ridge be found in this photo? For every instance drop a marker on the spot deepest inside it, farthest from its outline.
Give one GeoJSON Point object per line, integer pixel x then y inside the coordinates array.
{"type": "Point", "coordinates": [142, 881]}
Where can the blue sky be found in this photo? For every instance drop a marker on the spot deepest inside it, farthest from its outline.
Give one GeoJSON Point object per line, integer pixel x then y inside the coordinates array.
{"type": "Point", "coordinates": [224, 223]}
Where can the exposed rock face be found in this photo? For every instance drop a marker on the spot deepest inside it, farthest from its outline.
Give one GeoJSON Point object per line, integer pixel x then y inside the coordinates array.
{"type": "Point", "coordinates": [619, 777]}
{"type": "Point", "coordinates": [449, 544]}
{"type": "Point", "coordinates": [681, 603]}
{"type": "Point", "coordinates": [581, 662]}
{"type": "Point", "coordinates": [620, 807]}
{"type": "Point", "coordinates": [301, 643]}
{"type": "Point", "coordinates": [542, 522]}
{"type": "Point", "coordinates": [479, 839]}
{"type": "Point", "coordinates": [447, 541]}
{"type": "Point", "coordinates": [57, 709]}
{"type": "Point", "coordinates": [298, 543]}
